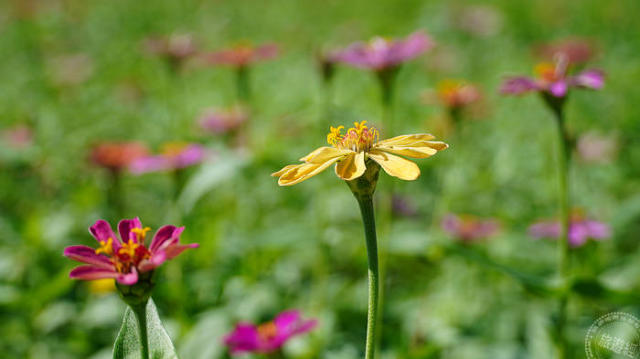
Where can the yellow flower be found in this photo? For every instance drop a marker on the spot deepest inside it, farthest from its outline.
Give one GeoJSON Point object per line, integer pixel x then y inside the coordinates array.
{"type": "Point", "coordinates": [351, 151]}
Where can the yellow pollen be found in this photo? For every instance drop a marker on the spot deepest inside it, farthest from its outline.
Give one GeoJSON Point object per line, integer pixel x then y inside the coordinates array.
{"type": "Point", "coordinates": [141, 233]}
{"type": "Point", "coordinates": [106, 247]}
{"type": "Point", "coordinates": [267, 330]}
{"type": "Point", "coordinates": [358, 138]}
{"type": "Point", "coordinates": [129, 248]}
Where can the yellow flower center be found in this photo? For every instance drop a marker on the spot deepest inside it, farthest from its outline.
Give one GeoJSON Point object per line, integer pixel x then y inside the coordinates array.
{"type": "Point", "coordinates": [106, 247]}
{"type": "Point", "coordinates": [141, 233]}
{"type": "Point", "coordinates": [358, 138]}
{"type": "Point", "coordinates": [129, 248]}
{"type": "Point", "coordinates": [173, 149]}
{"type": "Point", "coordinates": [546, 71]}
{"type": "Point", "coordinates": [267, 331]}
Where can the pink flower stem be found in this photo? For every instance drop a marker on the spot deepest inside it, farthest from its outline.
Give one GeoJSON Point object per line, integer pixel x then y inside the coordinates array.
{"type": "Point", "coordinates": [114, 193]}
{"type": "Point", "coordinates": [564, 158]}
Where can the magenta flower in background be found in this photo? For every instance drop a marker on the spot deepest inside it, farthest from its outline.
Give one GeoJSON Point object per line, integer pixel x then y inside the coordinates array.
{"type": "Point", "coordinates": [125, 257]}
{"type": "Point", "coordinates": [553, 79]}
{"type": "Point", "coordinates": [469, 228]}
{"type": "Point", "coordinates": [580, 229]}
{"type": "Point", "coordinates": [174, 156]}
{"type": "Point", "coordinates": [220, 121]}
{"type": "Point", "coordinates": [379, 53]}
{"type": "Point", "coordinates": [242, 55]}
{"type": "Point", "coordinates": [457, 94]}
{"type": "Point", "coordinates": [402, 206]}
{"type": "Point", "coordinates": [268, 337]}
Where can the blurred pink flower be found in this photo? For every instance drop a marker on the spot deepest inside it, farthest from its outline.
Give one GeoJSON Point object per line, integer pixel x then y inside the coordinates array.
{"type": "Point", "coordinates": [175, 48]}
{"type": "Point", "coordinates": [174, 156]}
{"type": "Point", "coordinates": [457, 94]}
{"type": "Point", "coordinates": [596, 148]}
{"type": "Point", "coordinates": [17, 137]}
{"type": "Point", "coordinates": [575, 50]}
{"type": "Point", "coordinates": [478, 20]}
{"type": "Point", "coordinates": [379, 53]}
{"type": "Point", "coordinates": [268, 337]}
{"type": "Point", "coordinates": [469, 228]}
{"type": "Point", "coordinates": [580, 229]}
{"type": "Point", "coordinates": [402, 206]}
{"type": "Point", "coordinates": [553, 79]}
{"type": "Point", "coordinates": [125, 257]}
{"type": "Point", "coordinates": [116, 156]}
{"type": "Point", "coordinates": [220, 121]}
{"type": "Point", "coordinates": [242, 55]}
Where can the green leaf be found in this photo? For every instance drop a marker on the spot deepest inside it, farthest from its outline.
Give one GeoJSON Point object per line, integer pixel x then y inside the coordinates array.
{"type": "Point", "coordinates": [127, 345]}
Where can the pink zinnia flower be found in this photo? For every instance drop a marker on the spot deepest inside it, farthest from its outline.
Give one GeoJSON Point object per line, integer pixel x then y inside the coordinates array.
{"type": "Point", "coordinates": [242, 55]}
{"type": "Point", "coordinates": [268, 337]}
{"type": "Point", "coordinates": [380, 53]}
{"type": "Point", "coordinates": [580, 229]}
{"type": "Point", "coordinates": [469, 228]}
{"type": "Point", "coordinates": [553, 79]}
{"type": "Point", "coordinates": [174, 156]}
{"type": "Point", "coordinates": [125, 257]}
{"type": "Point", "coordinates": [116, 156]}
{"type": "Point", "coordinates": [457, 94]}
{"type": "Point", "coordinates": [222, 121]}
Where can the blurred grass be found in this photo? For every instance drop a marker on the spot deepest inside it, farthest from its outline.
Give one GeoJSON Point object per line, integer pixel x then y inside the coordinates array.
{"type": "Point", "coordinates": [264, 248]}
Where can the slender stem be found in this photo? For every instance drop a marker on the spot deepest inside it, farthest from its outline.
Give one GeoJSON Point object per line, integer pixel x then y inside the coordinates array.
{"type": "Point", "coordinates": [366, 210]}
{"type": "Point", "coordinates": [140, 311]}
{"type": "Point", "coordinates": [564, 157]}
{"type": "Point", "coordinates": [114, 193]}
{"type": "Point", "coordinates": [242, 84]}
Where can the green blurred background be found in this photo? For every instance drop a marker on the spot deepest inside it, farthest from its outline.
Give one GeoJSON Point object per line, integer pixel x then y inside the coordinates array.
{"type": "Point", "coordinates": [75, 72]}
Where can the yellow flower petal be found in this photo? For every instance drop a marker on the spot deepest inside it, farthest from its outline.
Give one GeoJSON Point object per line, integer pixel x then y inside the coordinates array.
{"type": "Point", "coordinates": [396, 166]}
{"type": "Point", "coordinates": [351, 167]}
{"type": "Point", "coordinates": [407, 140]}
{"type": "Point", "coordinates": [421, 149]}
{"type": "Point", "coordinates": [283, 170]}
{"type": "Point", "coordinates": [301, 172]}
{"type": "Point", "coordinates": [324, 154]}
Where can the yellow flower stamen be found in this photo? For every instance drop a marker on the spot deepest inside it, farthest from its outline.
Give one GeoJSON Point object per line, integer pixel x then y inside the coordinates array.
{"type": "Point", "coordinates": [141, 233]}
{"type": "Point", "coordinates": [358, 138]}
{"type": "Point", "coordinates": [546, 71]}
{"type": "Point", "coordinates": [129, 248]}
{"type": "Point", "coordinates": [106, 247]}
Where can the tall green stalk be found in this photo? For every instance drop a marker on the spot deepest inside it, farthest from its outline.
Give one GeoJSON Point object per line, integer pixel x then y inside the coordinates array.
{"type": "Point", "coordinates": [363, 189]}
{"type": "Point", "coordinates": [564, 159]}
{"type": "Point", "coordinates": [243, 87]}
{"type": "Point", "coordinates": [140, 311]}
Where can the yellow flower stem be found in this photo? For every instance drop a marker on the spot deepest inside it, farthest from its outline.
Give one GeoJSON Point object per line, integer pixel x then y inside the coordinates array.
{"type": "Point", "coordinates": [363, 189]}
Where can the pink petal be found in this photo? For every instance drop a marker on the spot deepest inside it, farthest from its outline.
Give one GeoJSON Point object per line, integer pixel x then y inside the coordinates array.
{"type": "Point", "coordinates": [244, 338]}
{"type": "Point", "coordinates": [559, 88]}
{"type": "Point", "coordinates": [125, 226]}
{"type": "Point", "coordinates": [88, 255]}
{"type": "Point", "coordinates": [102, 231]}
{"type": "Point", "coordinates": [593, 79]}
{"type": "Point", "coordinates": [162, 235]}
{"type": "Point", "coordinates": [175, 250]}
{"type": "Point", "coordinates": [154, 262]}
{"type": "Point", "coordinates": [128, 278]}
{"type": "Point", "coordinates": [91, 272]}
{"type": "Point", "coordinates": [518, 85]}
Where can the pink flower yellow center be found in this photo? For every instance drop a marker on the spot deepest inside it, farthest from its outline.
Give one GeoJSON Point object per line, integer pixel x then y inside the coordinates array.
{"type": "Point", "coordinates": [173, 149]}
{"type": "Point", "coordinates": [358, 138]}
{"type": "Point", "coordinates": [267, 331]}
{"type": "Point", "coordinates": [130, 254]}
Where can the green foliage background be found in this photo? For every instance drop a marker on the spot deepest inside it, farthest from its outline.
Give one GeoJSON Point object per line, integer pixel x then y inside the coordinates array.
{"type": "Point", "coordinates": [264, 248]}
